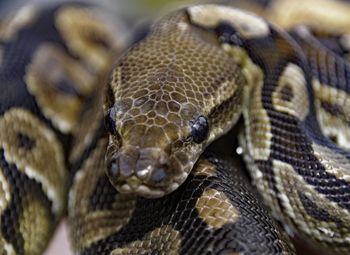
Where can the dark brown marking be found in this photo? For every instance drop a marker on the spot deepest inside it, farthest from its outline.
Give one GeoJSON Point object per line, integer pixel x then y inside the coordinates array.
{"type": "Point", "coordinates": [24, 141]}
{"type": "Point", "coordinates": [287, 93]}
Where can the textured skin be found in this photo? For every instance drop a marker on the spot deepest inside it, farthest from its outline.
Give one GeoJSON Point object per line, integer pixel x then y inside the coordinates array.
{"type": "Point", "coordinates": [214, 212]}
{"type": "Point", "coordinates": [203, 62]}
{"type": "Point", "coordinates": [160, 87]}
{"type": "Point", "coordinates": [39, 112]}
{"type": "Point", "coordinates": [303, 176]}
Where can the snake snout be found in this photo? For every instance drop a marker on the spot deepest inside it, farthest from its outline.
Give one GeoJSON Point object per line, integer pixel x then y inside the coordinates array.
{"type": "Point", "coordinates": [143, 171]}
{"type": "Point", "coordinates": [151, 166]}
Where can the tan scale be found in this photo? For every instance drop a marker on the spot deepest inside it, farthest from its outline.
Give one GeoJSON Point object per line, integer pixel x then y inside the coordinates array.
{"type": "Point", "coordinates": [5, 199]}
{"type": "Point", "coordinates": [326, 233]}
{"type": "Point", "coordinates": [259, 180]}
{"type": "Point", "coordinates": [84, 29]}
{"type": "Point", "coordinates": [290, 95]}
{"type": "Point", "coordinates": [334, 163]}
{"type": "Point", "coordinates": [257, 126]}
{"type": "Point", "coordinates": [95, 225]}
{"type": "Point", "coordinates": [215, 209]}
{"type": "Point", "coordinates": [61, 108]}
{"type": "Point", "coordinates": [5, 194]}
{"type": "Point", "coordinates": [257, 122]}
{"type": "Point", "coordinates": [334, 125]}
{"type": "Point", "coordinates": [163, 241]}
{"type": "Point", "coordinates": [44, 162]}
{"type": "Point", "coordinates": [35, 225]}
{"type": "Point", "coordinates": [204, 168]}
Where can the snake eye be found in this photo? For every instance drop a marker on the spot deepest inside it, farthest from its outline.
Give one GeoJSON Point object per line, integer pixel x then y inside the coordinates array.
{"type": "Point", "coordinates": [199, 129]}
{"type": "Point", "coordinates": [109, 121]}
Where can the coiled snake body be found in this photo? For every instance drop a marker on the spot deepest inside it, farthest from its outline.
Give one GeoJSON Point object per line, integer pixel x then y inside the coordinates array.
{"type": "Point", "coordinates": [169, 96]}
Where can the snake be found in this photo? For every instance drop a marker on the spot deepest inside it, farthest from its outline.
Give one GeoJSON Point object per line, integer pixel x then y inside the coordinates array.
{"type": "Point", "coordinates": [144, 141]}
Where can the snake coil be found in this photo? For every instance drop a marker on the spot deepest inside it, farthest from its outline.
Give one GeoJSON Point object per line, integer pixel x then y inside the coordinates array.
{"type": "Point", "coordinates": [158, 180]}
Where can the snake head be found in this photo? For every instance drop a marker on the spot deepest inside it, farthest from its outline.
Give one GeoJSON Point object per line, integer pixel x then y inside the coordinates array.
{"type": "Point", "coordinates": [151, 154]}
{"type": "Point", "coordinates": [168, 97]}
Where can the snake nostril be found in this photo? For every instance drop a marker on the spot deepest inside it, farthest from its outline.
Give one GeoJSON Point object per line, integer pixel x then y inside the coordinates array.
{"type": "Point", "coordinates": [113, 170]}
{"type": "Point", "coordinates": [158, 176]}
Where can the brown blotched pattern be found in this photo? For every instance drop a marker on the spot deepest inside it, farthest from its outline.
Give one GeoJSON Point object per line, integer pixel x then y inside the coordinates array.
{"type": "Point", "coordinates": [90, 35]}
{"type": "Point", "coordinates": [163, 240]}
{"type": "Point", "coordinates": [59, 91]}
{"type": "Point", "coordinates": [48, 86]}
{"type": "Point", "coordinates": [33, 182]}
{"type": "Point", "coordinates": [172, 93]}
{"type": "Point", "coordinates": [33, 148]}
{"type": "Point", "coordinates": [215, 209]}
{"type": "Point", "coordinates": [216, 213]}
